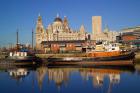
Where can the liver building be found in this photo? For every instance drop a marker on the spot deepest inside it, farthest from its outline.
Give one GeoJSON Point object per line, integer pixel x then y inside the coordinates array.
{"type": "Point", "coordinates": [58, 30]}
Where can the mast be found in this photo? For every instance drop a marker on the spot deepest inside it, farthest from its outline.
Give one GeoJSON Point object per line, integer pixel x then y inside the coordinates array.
{"type": "Point", "coordinates": [32, 39]}
{"type": "Point", "coordinates": [17, 38]}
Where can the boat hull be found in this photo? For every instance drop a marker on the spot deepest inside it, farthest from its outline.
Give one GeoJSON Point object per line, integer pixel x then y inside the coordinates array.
{"type": "Point", "coordinates": [121, 60]}
{"type": "Point", "coordinates": [22, 60]}
{"type": "Point", "coordinates": [120, 63]}
{"type": "Point", "coordinates": [129, 56]}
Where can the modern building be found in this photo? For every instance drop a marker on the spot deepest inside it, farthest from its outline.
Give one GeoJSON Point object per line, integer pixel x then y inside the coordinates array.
{"type": "Point", "coordinates": [96, 26]}
{"type": "Point", "coordinates": [130, 35]}
{"type": "Point", "coordinates": [59, 30]}
{"type": "Point", "coordinates": [98, 34]}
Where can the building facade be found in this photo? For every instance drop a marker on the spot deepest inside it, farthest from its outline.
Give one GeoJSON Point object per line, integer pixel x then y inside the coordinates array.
{"type": "Point", "coordinates": [98, 34]}
{"type": "Point", "coordinates": [65, 46]}
{"type": "Point", "coordinates": [59, 30]}
{"type": "Point", "coordinates": [130, 35]}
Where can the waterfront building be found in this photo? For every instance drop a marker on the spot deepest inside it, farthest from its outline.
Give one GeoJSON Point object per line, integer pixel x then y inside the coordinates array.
{"type": "Point", "coordinates": [59, 37]}
{"type": "Point", "coordinates": [64, 46]}
{"type": "Point", "coordinates": [59, 30]}
{"type": "Point", "coordinates": [98, 34]}
{"type": "Point", "coordinates": [130, 34]}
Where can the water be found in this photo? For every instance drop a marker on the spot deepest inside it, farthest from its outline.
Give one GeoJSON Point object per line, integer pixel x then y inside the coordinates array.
{"type": "Point", "coordinates": [69, 80]}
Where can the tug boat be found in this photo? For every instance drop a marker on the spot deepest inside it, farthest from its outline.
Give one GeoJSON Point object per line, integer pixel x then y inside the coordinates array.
{"type": "Point", "coordinates": [101, 55]}
{"type": "Point", "coordinates": [111, 55]}
{"type": "Point", "coordinates": [22, 54]}
{"type": "Point", "coordinates": [111, 52]}
{"type": "Point", "coordinates": [22, 57]}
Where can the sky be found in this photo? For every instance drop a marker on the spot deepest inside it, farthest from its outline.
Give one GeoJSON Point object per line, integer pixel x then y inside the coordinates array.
{"type": "Point", "coordinates": [23, 14]}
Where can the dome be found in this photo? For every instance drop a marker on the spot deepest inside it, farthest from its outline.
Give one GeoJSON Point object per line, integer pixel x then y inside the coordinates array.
{"type": "Point", "coordinates": [57, 19]}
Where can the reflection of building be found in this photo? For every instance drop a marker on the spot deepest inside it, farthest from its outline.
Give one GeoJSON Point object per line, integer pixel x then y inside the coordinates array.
{"type": "Point", "coordinates": [98, 80]}
{"type": "Point", "coordinates": [59, 30]}
{"type": "Point", "coordinates": [41, 72]}
{"type": "Point", "coordinates": [114, 78]}
{"type": "Point", "coordinates": [97, 30]}
{"type": "Point", "coordinates": [98, 76]}
{"type": "Point", "coordinates": [59, 76]}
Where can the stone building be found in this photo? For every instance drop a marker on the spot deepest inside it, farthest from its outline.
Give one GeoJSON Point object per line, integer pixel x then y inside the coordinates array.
{"type": "Point", "coordinates": [98, 34]}
{"type": "Point", "coordinates": [59, 30]}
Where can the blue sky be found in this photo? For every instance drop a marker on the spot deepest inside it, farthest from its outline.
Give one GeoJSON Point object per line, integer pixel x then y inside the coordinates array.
{"type": "Point", "coordinates": [22, 15]}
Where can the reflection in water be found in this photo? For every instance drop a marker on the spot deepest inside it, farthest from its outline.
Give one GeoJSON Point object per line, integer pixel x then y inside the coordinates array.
{"type": "Point", "coordinates": [61, 76]}
{"type": "Point", "coordinates": [41, 72]}
{"type": "Point", "coordinates": [137, 67]}
{"type": "Point", "coordinates": [114, 79]}
{"type": "Point", "coordinates": [98, 75]}
{"type": "Point", "coordinates": [18, 73]}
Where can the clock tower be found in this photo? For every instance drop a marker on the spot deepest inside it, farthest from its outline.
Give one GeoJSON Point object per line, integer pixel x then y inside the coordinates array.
{"type": "Point", "coordinates": [39, 33]}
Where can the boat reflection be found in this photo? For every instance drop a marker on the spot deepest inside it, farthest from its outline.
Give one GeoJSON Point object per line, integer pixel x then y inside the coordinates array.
{"type": "Point", "coordinates": [18, 73]}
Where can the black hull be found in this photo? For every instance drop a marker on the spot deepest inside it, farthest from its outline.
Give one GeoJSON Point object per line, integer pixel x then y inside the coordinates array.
{"type": "Point", "coordinates": [129, 56]}
{"type": "Point", "coordinates": [29, 60]}
{"type": "Point", "coordinates": [119, 63]}
{"type": "Point", "coordinates": [122, 60]}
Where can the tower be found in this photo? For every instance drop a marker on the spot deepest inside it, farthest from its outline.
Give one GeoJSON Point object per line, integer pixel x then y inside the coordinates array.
{"type": "Point", "coordinates": [82, 32]}
{"type": "Point", "coordinates": [66, 24]}
{"type": "Point", "coordinates": [82, 29]}
{"type": "Point", "coordinates": [106, 29]}
{"type": "Point", "coordinates": [39, 33]}
{"type": "Point", "coordinates": [96, 27]}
